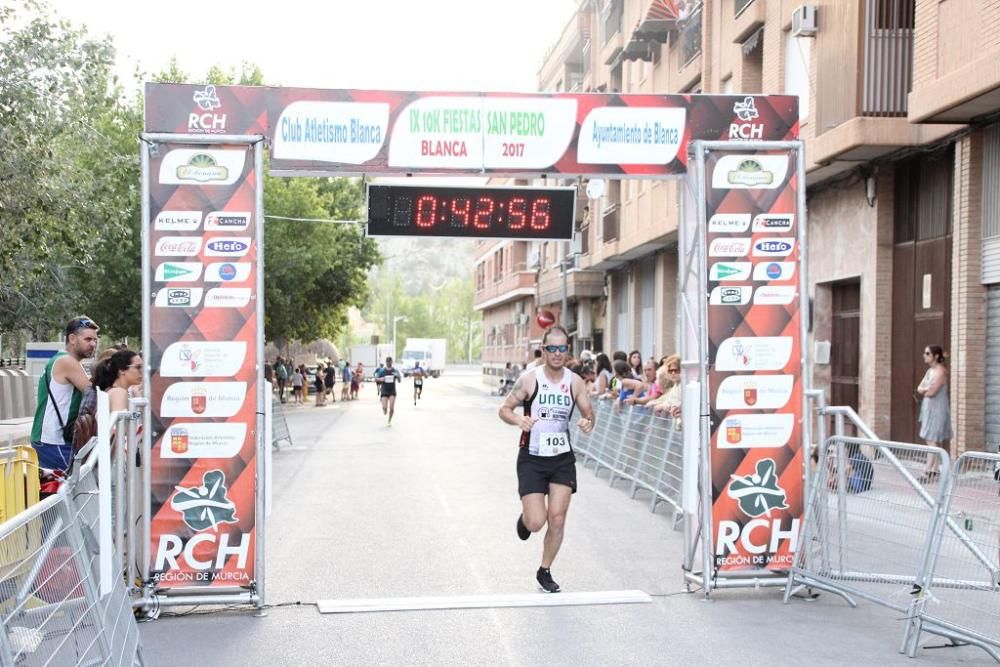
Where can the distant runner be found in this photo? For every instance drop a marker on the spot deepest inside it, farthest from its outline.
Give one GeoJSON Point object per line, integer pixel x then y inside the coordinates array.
{"type": "Point", "coordinates": [546, 465]}
{"type": "Point", "coordinates": [418, 382]}
{"type": "Point", "coordinates": [387, 377]}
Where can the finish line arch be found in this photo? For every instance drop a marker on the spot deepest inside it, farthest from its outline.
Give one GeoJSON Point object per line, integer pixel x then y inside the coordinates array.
{"type": "Point", "coordinates": [202, 224]}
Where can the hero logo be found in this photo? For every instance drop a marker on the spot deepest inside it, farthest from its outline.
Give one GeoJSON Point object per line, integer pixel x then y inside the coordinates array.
{"type": "Point", "coordinates": [746, 111]}
{"type": "Point", "coordinates": [729, 247]}
{"type": "Point", "coordinates": [773, 247]}
{"type": "Point", "coordinates": [234, 247]}
{"type": "Point", "coordinates": [202, 121]}
{"type": "Point", "coordinates": [178, 246]}
{"type": "Point", "coordinates": [202, 508]}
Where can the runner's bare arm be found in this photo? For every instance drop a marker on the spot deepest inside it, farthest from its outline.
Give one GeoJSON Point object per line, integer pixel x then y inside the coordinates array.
{"type": "Point", "coordinates": [524, 386]}
{"type": "Point", "coordinates": [582, 398]}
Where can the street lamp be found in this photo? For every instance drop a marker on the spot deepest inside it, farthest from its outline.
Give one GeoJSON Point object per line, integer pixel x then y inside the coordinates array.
{"type": "Point", "coordinates": [398, 318]}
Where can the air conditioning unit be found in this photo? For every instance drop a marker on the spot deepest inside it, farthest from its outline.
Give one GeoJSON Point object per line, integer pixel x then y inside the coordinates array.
{"type": "Point", "coordinates": [804, 21]}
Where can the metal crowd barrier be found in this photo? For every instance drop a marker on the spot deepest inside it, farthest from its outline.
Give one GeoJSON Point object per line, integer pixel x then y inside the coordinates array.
{"type": "Point", "coordinates": [875, 527]}
{"type": "Point", "coordinates": [280, 432]}
{"type": "Point", "coordinates": [52, 608]}
{"type": "Point", "coordinates": [636, 446]}
{"type": "Point", "coordinates": [959, 596]}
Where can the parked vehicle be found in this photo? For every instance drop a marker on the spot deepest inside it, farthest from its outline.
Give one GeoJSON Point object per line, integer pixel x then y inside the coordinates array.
{"type": "Point", "coordinates": [371, 356]}
{"type": "Point", "coordinates": [431, 353]}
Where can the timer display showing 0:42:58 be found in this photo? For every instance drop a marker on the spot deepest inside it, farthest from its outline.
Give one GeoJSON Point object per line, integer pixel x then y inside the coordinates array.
{"type": "Point", "coordinates": [480, 212]}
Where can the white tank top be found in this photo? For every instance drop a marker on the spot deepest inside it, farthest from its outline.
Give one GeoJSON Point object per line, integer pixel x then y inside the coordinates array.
{"type": "Point", "coordinates": [552, 405]}
{"type": "Point", "coordinates": [63, 395]}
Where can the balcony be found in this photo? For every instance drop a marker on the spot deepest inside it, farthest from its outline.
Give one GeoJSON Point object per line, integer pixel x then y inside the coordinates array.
{"type": "Point", "coordinates": [509, 287]}
{"type": "Point", "coordinates": [579, 285]}
{"type": "Point", "coordinates": [750, 16]}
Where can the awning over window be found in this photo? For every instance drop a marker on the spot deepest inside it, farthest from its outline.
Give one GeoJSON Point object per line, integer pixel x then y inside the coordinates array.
{"type": "Point", "coordinates": [660, 18]}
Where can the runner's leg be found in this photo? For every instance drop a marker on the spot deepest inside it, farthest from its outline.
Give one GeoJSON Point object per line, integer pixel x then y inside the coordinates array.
{"type": "Point", "coordinates": [384, 400]}
{"type": "Point", "coordinates": [392, 406]}
{"type": "Point", "coordinates": [559, 496]}
{"type": "Point", "coordinates": [533, 511]}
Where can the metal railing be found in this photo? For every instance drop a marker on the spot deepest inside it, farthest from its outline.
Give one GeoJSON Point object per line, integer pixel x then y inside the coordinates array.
{"type": "Point", "coordinates": [888, 57]}
{"type": "Point", "coordinates": [638, 447]}
{"type": "Point", "coordinates": [51, 606]}
{"type": "Point", "coordinates": [691, 37]}
{"type": "Point", "coordinates": [879, 527]}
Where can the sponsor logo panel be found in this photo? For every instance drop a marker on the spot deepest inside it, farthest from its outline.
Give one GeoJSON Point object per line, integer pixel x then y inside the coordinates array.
{"type": "Point", "coordinates": [763, 392]}
{"type": "Point", "coordinates": [729, 271]}
{"type": "Point", "coordinates": [181, 272]}
{"type": "Point", "coordinates": [774, 247]}
{"type": "Point", "coordinates": [227, 221]}
{"type": "Point", "coordinates": [738, 247]}
{"type": "Point", "coordinates": [774, 296]}
{"type": "Point", "coordinates": [200, 166]}
{"type": "Point", "coordinates": [203, 399]}
{"type": "Point", "coordinates": [758, 494]}
{"type": "Point", "coordinates": [177, 221]}
{"type": "Point", "coordinates": [755, 431]}
{"type": "Point", "coordinates": [774, 271]}
{"type": "Point", "coordinates": [742, 172]}
{"type": "Point", "coordinates": [235, 246]}
{"type": "Point", "coordinates": [773, 222]}
{"type": "Point", "coordinates": [764, 353]}
{"type": "Point", "coordinates": [729, 222]}
{"type": "Point", "coordinates": [730, 296]}
{"type": "Point", "coordinates": [178, 246]}
{"type": "Point", "coordinates": [227, 272]}
{"type": "Point", "coordinates": [210, 440]}
{"type": "Point", "coordinates": [178, 297]}
{"type": "Point", "coordinates": [756, 543]}
{"type": "Point", "coordinates": [227, 297]}
{"type": "Point", "coordinates": [202, 120]}
{"type": "Point", "coordinates": [203, 359]}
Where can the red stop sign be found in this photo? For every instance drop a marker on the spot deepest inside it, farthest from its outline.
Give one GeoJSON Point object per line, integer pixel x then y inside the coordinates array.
{"type": "Point", "coordinates": [545, 318]}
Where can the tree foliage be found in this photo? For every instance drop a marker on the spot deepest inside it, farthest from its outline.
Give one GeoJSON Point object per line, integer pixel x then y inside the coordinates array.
{"type": "Point", "coordinates": [70, 205]}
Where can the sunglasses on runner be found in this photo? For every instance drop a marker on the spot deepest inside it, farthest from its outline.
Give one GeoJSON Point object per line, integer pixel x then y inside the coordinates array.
{"type": "Point", "coordinates": [552, 349]}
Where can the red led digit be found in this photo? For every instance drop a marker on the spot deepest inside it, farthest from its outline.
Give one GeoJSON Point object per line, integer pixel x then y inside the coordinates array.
{"type": "Point", "coordinates": [426, 210]}
{"type": "Point", "coordinates": [484, 213]}
{"type": "Point", "coordinates": [461, 208]}
{"type": "Point", "coordinates": [540, 217]}
{"type": "Point", "coordinates": [518, 212]}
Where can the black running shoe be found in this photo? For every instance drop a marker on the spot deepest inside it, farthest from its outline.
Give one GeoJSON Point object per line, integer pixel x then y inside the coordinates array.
{"type": "Point", "coordinates": [522, 530]}
{"type": "Point", "coordinates": [544, 578]}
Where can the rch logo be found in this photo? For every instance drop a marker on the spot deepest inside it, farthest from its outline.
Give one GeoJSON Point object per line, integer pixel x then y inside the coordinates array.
{"type": "Point", "coordinates": [205, 506]}
{"type": "Point", "coordinates": [759, 493]}
{"type": "Point", "coordinates": [207, 100]}
{"type": "Point", "coordinates": [746, 111]}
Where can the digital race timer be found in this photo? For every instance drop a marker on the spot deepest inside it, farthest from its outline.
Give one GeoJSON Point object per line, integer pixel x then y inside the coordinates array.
{"type": "Point", "coordinates": [480, 212]}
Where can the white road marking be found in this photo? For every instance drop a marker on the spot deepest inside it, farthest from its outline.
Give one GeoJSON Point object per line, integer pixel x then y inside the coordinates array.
{"type": "Point", "coordinates": [370, 605]}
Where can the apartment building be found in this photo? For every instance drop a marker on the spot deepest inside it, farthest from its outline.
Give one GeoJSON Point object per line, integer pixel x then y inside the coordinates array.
{"type": "Point", "coordinates": [899, 103]}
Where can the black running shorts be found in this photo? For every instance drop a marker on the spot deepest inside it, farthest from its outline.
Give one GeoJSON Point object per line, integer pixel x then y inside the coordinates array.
{"type": "Point", "coordinates": [535, 473]}
{"type": "Point", "coordinates": [388, 390]}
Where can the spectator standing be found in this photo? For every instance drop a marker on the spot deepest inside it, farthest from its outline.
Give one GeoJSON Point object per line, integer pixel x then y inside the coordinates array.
{"type": "Point", "coordinates": [345, 381]}
{"type": "Point", "coordinates": [329, 379]}
{"type": "Point", "coordinates": [935, 409]}
{"type": "Point", "coordinates": [319, 387]}
{"type": "Point", "coordinates": [297, 386]}
{"type": "Point", "coordinates": [635, 364]}
{"type": "Point", "coordinates": [281, 373]}
{"type": "Point", "coordinates": [60, 390]}
{"type": "Point", "coordinates": [604, 375]}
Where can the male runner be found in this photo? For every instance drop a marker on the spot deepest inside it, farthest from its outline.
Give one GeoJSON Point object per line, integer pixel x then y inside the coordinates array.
{"type": "Point", "coordinates": [386, 377]}
{"type": "Point", "coordinates": [418, 382]}
{"type": "Point", "coordinates": [546, 464]}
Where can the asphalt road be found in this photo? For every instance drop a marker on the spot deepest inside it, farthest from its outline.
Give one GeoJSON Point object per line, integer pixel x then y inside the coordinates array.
{"type": "Point", "coordinates": [427, 508]}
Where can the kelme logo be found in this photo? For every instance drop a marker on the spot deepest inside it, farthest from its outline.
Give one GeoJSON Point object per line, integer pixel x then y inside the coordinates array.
{"type": "Point", "coordinates": [205, 506]}
{"type": "Point", "coordinates": [759, 493]}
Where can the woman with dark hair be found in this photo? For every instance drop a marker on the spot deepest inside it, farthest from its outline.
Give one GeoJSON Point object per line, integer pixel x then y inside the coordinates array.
{"type": "Point", "coordinates": [116, 375]}
{"type": "Point", "coordinates": [935, 409]}
{"type": "Point", "coordinates": [635, 364]}
{"type": "Point", "coordinates": [604, 374]}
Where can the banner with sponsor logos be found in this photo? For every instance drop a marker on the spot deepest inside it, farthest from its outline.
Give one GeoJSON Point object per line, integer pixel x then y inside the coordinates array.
{"type": "Point", "coordinates": [755, 387]}
{"type": "Point", "coordinates": [203, 351]}
{"type": "Point", "coordinates": [316, 131]}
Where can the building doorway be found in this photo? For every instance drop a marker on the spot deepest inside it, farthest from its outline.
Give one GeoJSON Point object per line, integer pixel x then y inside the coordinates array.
{"type": "Point", "coordinates": [845, 344]}
{"type": "Point", "coordinates": [921, 278]}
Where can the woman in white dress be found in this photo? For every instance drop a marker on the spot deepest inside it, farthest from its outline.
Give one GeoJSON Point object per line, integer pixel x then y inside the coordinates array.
{"type": "Point", "coordinates": [935, 409]}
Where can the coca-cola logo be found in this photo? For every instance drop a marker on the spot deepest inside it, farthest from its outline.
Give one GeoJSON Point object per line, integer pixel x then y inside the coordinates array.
{"type": "Point", "coordinates": [178, 246]}
{"type": "Point", "coordinates": [729, 247]}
